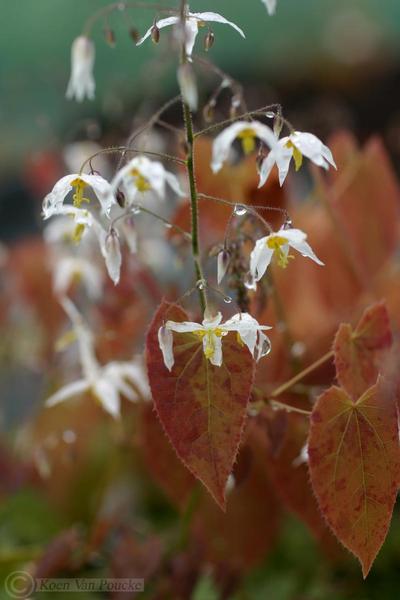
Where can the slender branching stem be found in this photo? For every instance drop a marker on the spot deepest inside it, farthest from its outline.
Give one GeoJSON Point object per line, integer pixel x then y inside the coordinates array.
{"type": "Point", "coordinates": [125, 149]}
{"type": "Point", "coordinates": [291, 382]}
{"type": "Point", "coordinates": [245, 115]}
{"type": "Point", "coordinates": [134, 208]}
{"type": "Point", "coordinates": [105, 11]}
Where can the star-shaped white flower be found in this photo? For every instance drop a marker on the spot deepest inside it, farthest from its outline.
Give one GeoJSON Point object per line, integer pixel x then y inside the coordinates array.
{"type": "Point", "coordinates": [142, 175]}
{"type": "Point", "coordinates": [78, 183]}
{"type": "Point", "coordinates": [106, 382]}
{"type": "Point", "coordinates": [270, 6]}
{"type": "Point", "coordinates": [278, 244]}
{"type": "Point", "coordinates": [192, 23]}
{"type": "Point", "coordinates": [295, 146]}
{"type": "Point", "coordinates": [211, 332]}
{"type": "Point", "coordinates": [81, 83]}
{"type": "Point", "coordinates": [247, 132]}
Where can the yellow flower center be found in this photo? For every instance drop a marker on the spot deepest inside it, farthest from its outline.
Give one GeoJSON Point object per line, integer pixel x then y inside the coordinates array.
{"type": "Point", "coordinates": [275, 243]}
{"type": "Point", "coordinates": [248, 139]}
{"type": "Point", "coordinates": [78, 233]}
{"type": "Point", "coordinates": [79, 186]}
{"type": "Point", "coordinates": [210, 344]}
{"type": "Point", "coordinates": [297, 155]}
{"type": "Point", "coordinates": [141, 182]}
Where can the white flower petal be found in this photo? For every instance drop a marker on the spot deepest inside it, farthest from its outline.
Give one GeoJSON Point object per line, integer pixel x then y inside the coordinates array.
{"type": "Point", "coordinates": [191, 31]}
{"type": "Point", "coordinates": [305, 250]}
{"type": "Point", "coordinates": [108, 396]}
{"type": "Point", "coordinates": [270, 6]}
{"type": "Point", "coordinates": [160, 24]}
{"type": "Point", "coordinates": [312, 147]}
{"type": "Point", "coordinates": [260, 258]}
{"type": "Point", "coordinates": [68, 391]}
{"type": "Point", "coordinates": [112, 255]}
{"type": "Point", "coordinates": [266, 168]}
{"type": "Point", "coordinates": [216, 342]}
{"type": "Point", "coordinates": [217, 18]}
{"type": "Point", "coordinates": [184, 327]}
{"type": "Point", "coordinates": [166, 342]}
{"type": "Point", "coordinates": [212, 322]}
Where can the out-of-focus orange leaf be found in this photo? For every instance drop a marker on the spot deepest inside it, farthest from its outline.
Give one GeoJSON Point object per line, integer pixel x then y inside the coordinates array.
{"type": "Point", "coordinates": [289, 473]}
{"type": "Point", "coordinates": [242, 536]}
{"type": "Point", "coordinates": [201, 407]}
{"type": "Point", "coordinates": [355, 465]}
{"type": "Point", "coordinates": [359, 352]}
{"type": "Point", "coordinates": [161, 460]}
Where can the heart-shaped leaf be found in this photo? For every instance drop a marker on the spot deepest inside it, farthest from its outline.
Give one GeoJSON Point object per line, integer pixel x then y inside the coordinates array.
{"type": "Point", "coordinates": [358, 352]}
{"type": "Point", "coordinates": [201, 407]}
{"type": "Point", "coordinates": [354, 466]}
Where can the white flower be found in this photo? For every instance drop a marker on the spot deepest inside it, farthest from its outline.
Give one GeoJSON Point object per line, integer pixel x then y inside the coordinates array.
{"type": "Point", "coordinates": [278, 243]}
{"type": "Point", "coordinates": [192, 23]}
{"type": "Point", "coordinates": [210, 333]}
{"type": "Point", "coordinates": [270, 5]}
{"type": "Point", "coordinates": [142, 175]}
{"type": "Point", "coordinates": [247, 132]}
{"type": "Point", "coordinates": [78, 183]}
{"type": "Point", "coordinates": [295, 146]}
{"type": "Point", "coordinates": [68, 269]}
{"type": "Point", "coordinates": [105, 382]}
{"type": "Point", "coordinates": [81, 83]}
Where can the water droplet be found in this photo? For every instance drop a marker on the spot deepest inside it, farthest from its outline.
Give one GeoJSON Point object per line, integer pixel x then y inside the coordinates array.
{"type": "Point", "coordinates": [249, 282]}
{"type": "Point", "coordinates": [298, 349]}
{"type": "Point", "coordinates": [168, 225]}
{"type": "Point", "coordinates": [69, 436]}
{"type": "Point", "coordinates": [201, 284]}
{"type": "Point", "coordinates": [270, 114]}
{"type": "Point", "coordinates": [136, 209]}
{"type": "Point", "coordinates": [265, 349]}
{"type": "Point", "coordinates": [227, 299]}
{"type": "Point", "coordinates": [240, 210]}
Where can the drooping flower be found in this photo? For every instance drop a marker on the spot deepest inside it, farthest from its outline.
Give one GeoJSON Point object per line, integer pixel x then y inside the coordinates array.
{"type": "Point", "coordinates": [106, 382]}
{"type": "Point", "coordinates": [210, 333]}
{"type": "Point", "coordinates": [247, 132]}
{"type": "Point", "coordinates": [278, 244]}
{"type": "Point", "coordinates": [142, 175]}
{"type": "Point", "coordinates": [69, 269]}
{"type": "Point", "coordinates": [79, 184]}
{"type": "Point", "coordinates": [192, 23]}
{"type": "Point", "coordinates": [270, 6]}
{"type": "Point", "coordinates": [296, 145]}
{"type": "Point", "coordinates": [81, 83]}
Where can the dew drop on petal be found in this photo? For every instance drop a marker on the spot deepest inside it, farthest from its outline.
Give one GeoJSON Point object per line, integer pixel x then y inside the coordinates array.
{"type": "Point", "coordinates": [240, 210]}
{"type": "Point", "coordinates": [265, 348]}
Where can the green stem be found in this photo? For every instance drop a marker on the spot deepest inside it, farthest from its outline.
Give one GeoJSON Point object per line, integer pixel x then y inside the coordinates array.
{"type": "Point", "coordinates": [193, 201]}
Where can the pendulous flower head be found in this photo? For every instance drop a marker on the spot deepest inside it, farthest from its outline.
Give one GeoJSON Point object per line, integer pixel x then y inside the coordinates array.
{"type": "Point", "coordinates": [142, 175]}
{"type": "Point", "coordinates": [248, 132]}
{"type": "Point", "coordinates": [278, 244]}
{"type": "Point", "coordinates": [296, 145]}
{"type": "Point", "coordinates": [80, 184]}
{"type": "Point", "coordinates": [193, 22]}
{"type": "Point", "coordinates": [270, 6]}
{"type": "Point", "coordinates": [210, 332]}
{"type": "Point", "coordinates": [81, 83]}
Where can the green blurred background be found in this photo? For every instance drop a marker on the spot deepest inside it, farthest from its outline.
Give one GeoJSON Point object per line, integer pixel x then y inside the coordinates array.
{"type": "Point", "coordinates": [334, 47]}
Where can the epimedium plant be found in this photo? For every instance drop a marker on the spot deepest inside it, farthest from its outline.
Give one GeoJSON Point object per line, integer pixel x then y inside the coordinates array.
{"type": "Point", "coordinates": [201, 365]}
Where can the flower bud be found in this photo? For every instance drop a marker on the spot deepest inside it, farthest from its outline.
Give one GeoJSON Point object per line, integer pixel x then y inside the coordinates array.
{"type": "Point", "coordinates": [155, 33]}
{"type": "Point", "coordinates": [120, 197]}
{"type": "Point", "coordinates": [112, 255]}
{"type": "Point", "coordinates": [134, 34]}
{"type": "Point", "coordinates": [209, 41]}
{"type": "Point", "coordinates": [109, 36]}
{"type": "Point", "coordinates": [188, 86]}
{"type": "Point", "coordinates": [223, 261]}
